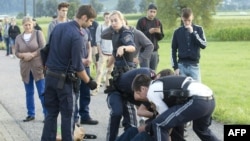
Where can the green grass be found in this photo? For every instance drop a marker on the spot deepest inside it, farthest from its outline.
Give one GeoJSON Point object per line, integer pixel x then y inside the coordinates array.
{"type": "Point", "coordinates": [224, 68]}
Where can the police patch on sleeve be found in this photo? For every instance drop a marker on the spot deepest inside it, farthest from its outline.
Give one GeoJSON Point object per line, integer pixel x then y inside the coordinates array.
{"type": "Point", "coordinates": [127, 38]}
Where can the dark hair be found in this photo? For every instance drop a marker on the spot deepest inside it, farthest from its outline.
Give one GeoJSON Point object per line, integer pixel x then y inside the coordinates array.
{"type": "Point", "coordinates": [140, 80]}
{"type": "Point", "coordinates": [87, 10]}
{"type": "Point", "coordinates": [165, 72]}
{"type": "Point", "coordinates": [54, 16]}
{"type": "Point", "coordinates": [105, 13]}
{"type": "Point", "coordinates": [62, 4]}
{"type": "Point", "coordinates": [186, 12]}
{"type": "Point", "coordinates": [152, 6]}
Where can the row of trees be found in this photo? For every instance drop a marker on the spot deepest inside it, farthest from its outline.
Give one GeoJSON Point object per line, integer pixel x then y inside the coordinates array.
{"type": "Point", "coordinates": [48, 7]}
{"type": "Point", "coordinates": [168, 10]}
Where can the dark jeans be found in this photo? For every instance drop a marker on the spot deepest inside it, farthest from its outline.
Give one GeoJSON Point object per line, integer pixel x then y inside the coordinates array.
{"type": "Point", "coordinates": [7, 45]}
{"type": "Point", "coordinates": [132, 134]}
{"type": "Point", "coordinates": [154, 60]}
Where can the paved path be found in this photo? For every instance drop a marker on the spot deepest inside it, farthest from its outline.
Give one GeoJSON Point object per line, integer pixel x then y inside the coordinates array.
{"type": "Point", "coordinates": [13, 109]}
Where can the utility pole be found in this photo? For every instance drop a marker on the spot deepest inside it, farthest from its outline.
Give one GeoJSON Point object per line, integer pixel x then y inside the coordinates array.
{"type": "Point", "coordinates": [24, 6]}
{"type": "Point", "coordinates": [34, 8]}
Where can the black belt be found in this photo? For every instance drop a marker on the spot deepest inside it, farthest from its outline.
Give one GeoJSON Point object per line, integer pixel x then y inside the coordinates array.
{"type": "Point", "coordinates": [54, 74]}
{"type": "Point", "coordinates": [202, 97]}
{"type": "Point", "coordinates": [60, 76]}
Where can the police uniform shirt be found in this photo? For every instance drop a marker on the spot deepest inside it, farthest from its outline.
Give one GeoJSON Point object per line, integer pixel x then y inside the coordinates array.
{"type": "Point", "coordinates": [123, 37]}
{"type": "Point", "coordinates": [65, 47]}
{"type": "Point", "coordinates": [195, 88]}
{"type": "Point", "coordinates": [127, 78]}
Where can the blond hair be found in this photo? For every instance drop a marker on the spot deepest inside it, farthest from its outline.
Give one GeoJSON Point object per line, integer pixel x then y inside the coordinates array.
{"type": "Point", "coordinates": [116, 12]}
{"type": "Point", "coordinates": [27, 19]}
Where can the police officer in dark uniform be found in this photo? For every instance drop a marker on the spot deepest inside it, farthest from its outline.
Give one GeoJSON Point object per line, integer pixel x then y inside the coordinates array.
{"type": "Point", "coordinates": [177, 99]}
{"type": "Point", "coordinates": [145, 109]}
{"type": "Point", "coordinates": [122, 58]}
{"type": "Point", "coordinates": [64, 66]}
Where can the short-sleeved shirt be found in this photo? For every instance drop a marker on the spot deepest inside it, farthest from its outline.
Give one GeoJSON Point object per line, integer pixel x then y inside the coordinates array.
{"type": "Point", "coordinates": [86, 39]}
{"type": "Point", "coordinates": [124, 37]}
{"type": "Point", "coordinates": [66, 48]}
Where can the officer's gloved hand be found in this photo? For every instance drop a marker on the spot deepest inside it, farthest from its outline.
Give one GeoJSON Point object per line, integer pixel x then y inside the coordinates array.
{"type": "Point", "coordinates": [92, 84]}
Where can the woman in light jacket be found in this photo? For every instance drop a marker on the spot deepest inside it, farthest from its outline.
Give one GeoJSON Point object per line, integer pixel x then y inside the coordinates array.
{"type": "Point", "coordinates": [28, 45]}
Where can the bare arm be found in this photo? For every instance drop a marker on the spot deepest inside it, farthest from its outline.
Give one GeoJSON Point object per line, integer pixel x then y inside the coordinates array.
{"type": "Point", "coordinates": [144, 112]}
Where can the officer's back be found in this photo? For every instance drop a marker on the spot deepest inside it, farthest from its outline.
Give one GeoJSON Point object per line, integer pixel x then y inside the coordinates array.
{"type": "Point", "coordinates": [63, 40]}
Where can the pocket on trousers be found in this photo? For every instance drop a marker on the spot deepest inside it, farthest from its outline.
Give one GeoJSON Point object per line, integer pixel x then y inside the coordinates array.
{"type": "Point", "coordinates": [70, 102]}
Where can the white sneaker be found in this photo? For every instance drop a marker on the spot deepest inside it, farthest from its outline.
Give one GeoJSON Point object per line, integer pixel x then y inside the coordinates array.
{"type": "Point", "coordinates": [94, 92]}
{"type": "Point", "coordinates": [11, 56]}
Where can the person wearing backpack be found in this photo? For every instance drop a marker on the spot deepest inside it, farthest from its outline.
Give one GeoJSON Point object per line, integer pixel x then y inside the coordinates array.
{"type": "Point", "coordinates": [152, 28]}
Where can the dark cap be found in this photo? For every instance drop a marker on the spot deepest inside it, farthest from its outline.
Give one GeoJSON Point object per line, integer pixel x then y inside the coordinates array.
{"type": "Point", "coordinates": [152, 6]}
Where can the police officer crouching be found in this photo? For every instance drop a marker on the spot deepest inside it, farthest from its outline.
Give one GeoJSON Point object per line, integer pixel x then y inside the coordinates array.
{"type": "Point", "coordinates": [64, 67]}
{"type": "Point", "coordinates": [191, 100]}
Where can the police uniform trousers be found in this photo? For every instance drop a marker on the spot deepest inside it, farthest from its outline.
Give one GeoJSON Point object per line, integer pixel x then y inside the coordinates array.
{"type": "Point", "coordinates": [58, 100]}
{"type": "Point", "coordinates": [197, 108]}
{"type": "Point", "coordinates": [119, 107]}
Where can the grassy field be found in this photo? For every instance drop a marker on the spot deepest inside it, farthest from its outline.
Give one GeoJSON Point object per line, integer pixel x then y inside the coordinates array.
{"type": "Point", "coordinates": [224, 67]}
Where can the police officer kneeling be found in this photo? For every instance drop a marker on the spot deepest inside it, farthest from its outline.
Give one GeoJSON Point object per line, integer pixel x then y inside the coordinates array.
{"type": "Point", "coordinates": [178, 100]}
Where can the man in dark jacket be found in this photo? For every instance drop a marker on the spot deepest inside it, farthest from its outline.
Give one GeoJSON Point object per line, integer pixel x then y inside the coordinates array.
{"type": "Point", "coordinates": [187, 41]}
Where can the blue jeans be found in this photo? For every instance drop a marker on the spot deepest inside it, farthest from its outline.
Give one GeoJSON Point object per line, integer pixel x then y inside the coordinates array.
{"type": "Point", "coordinates": [154, 60]}
{"type": "Point", "coordinates": [84, 100]}
{"type": "Point", "coordinates": [29, 88]}
{"type": "Point", "coordinates": [191, 70]}
{"type": "Point", "coordinates": [7, 44]}
{"type": "Point", "coordinates": [11, 42]}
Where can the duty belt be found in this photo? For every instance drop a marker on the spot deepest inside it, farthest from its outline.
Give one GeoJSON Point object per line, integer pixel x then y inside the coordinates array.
{"type": "Point", "coordinates": [202, 97]}
{"type": "Point", "coordinates": [60, 76]}
{"type": "Point", "coordinates": [54, 74]}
